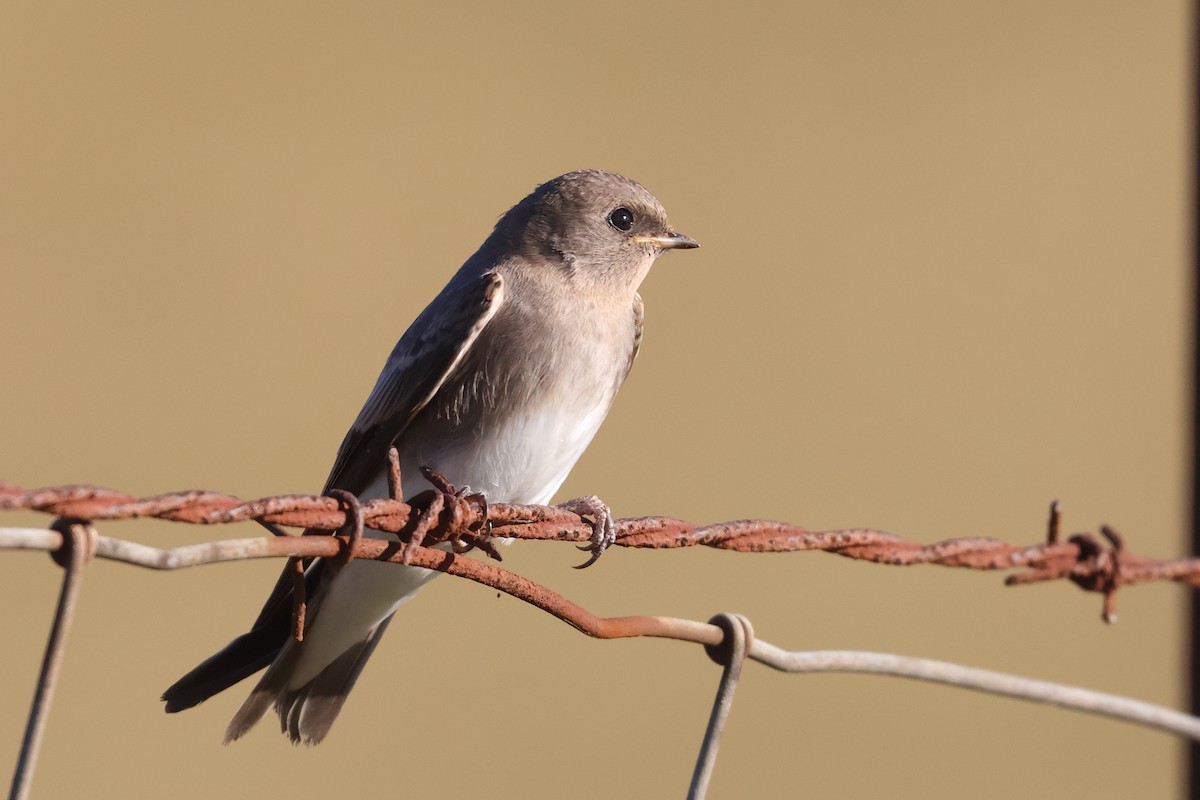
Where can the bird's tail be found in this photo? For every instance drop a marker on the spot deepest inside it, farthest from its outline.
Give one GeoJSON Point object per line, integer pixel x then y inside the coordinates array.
{"type": "Point", "coordinates": [242, 657]}
{"type": "Point", "coordinates": [306, 713]}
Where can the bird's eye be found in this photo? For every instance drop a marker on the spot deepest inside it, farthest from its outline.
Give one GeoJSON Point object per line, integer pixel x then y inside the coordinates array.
{"type": "Point", "coordinates": [621, 219]}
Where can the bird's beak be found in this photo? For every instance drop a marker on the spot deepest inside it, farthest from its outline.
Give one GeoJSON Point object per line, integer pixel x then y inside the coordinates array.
{"type": "Point", "coordinates": [669, 241]}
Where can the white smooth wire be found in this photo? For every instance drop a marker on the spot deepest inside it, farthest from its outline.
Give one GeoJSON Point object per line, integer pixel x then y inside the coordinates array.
{"type": "Point", "coordinates": [983, 680]}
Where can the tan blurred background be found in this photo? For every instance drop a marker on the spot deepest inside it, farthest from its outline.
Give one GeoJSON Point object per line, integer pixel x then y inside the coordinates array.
{"type": "Point", "coordinates": [944, 281]}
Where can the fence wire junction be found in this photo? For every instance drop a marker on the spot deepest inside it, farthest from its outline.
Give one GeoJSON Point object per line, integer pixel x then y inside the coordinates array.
{"type": "Point", "coordinates": [461, 522]}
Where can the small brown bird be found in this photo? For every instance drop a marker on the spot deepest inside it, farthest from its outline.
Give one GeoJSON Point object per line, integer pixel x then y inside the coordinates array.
{"type": "Point", "coordinates": [499, 384]}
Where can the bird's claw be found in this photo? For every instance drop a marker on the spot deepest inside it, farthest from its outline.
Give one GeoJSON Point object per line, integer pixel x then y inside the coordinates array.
{"type": "Point", "coordinates": [604, 530]}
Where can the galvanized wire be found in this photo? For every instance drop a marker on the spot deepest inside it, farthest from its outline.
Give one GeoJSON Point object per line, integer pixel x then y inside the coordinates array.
{"type": "Point", "coordinates": [73, 554]}
{"type": "Point", "coordinates": [467, 522]}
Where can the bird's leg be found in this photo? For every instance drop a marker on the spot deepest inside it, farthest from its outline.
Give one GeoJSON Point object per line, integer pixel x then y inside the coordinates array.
{"type": "Point", "coordinates": [604, 531]}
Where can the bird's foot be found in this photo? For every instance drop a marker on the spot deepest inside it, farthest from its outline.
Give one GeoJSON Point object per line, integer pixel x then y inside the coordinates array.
{"type": "Point", "coordinates": [604, 530]}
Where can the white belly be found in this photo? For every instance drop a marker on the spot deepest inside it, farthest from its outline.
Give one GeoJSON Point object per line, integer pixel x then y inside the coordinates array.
{"type": "Point", "coordinates": [524, 462]}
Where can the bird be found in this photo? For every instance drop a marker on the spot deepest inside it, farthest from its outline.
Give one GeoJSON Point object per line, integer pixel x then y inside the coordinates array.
{"type": "Point", "coordinates": [499, 385]}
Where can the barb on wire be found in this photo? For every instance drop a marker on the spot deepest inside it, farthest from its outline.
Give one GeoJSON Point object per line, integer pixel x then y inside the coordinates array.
{"type": "Point", "coordinates": [438, 515]}
{"type": "Point", "coordinates": [585, 621]}
{"type": "Point", "coordinates": [444, 515]}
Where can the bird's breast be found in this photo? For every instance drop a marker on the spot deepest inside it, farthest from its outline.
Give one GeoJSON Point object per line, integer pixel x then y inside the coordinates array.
{"type": "Point", "coordinates": [523, 406]}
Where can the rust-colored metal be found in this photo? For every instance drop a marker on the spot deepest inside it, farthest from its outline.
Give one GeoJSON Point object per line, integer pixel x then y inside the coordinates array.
{"type": "Point", "coordinates": [354, 525]}
{"type": "Point", "coordinates": [395, 486]}
{"type": "Point", "coordinates": [299, 597]}
{"type": "Point", "coordinates": [444, 514]}
{"type": "Point", "coordinates": [425, 522]}
{"type": "Point", "coordinates": [1055, 523]}
{"type": "Point", "coordinates": [453, 515]}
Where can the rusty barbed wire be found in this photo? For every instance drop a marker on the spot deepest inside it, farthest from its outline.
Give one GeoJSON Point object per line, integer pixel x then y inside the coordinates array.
{"type": "Point", "coordinates": [1094, 563]}
{"type": "Point", "coordinates": [461, 521]}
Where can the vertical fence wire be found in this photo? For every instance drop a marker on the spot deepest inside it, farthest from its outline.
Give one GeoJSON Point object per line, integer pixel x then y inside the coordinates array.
{"type": "Point", "coordinates": [731, 654]}
{"type": "Point", "coordinates": [73, 557]}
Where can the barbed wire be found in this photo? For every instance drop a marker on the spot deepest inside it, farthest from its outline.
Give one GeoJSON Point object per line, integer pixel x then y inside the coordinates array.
{"type": "Point", "coordinates": [459, 522]}
{"type": "Point", "coordinates": [1094, 563]}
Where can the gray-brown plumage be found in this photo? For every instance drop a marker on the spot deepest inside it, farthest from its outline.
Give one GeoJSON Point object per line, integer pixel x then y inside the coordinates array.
{"type": "Point", "coordinates": [499, 385]}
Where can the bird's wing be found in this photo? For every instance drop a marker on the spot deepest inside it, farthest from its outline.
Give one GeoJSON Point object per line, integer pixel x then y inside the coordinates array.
{"type": "Point", "coordinates": [427, 354]}
{"type": "Point", "coordinates": [425, 357]}
{"type": "Point", "coordinates": [639, 315]}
